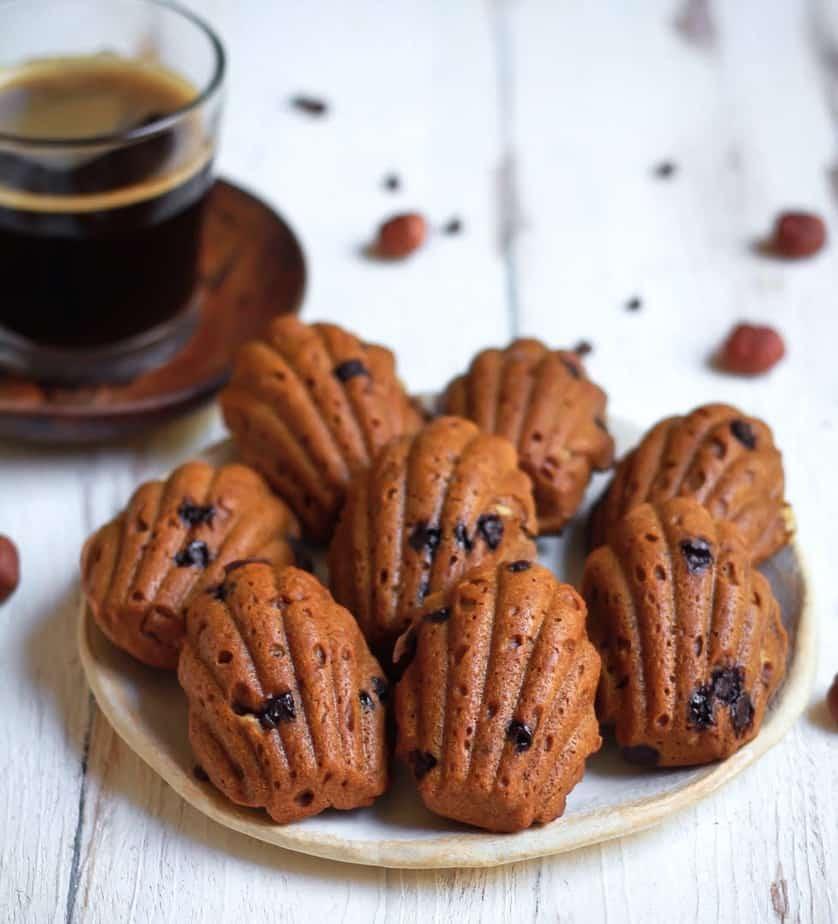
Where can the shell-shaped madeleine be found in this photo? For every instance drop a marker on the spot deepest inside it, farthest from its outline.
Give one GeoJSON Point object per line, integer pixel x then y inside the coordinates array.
{"type": "Point", "coordinates": [172, 540]}
{"type": "Point", "coordinates": [689, 632]}
{"type": "Point", "coordinates": [309, 406]}
{"type": "Point", "coordinates": [286, 703]}
{"type": "Point", "coordinates": [430, 506]}
{"type": "Point", "coordinates": [717, 455]}
{"type": "Point", "coordinates": [495, 712]}
{"type": "Point", "coordinates": [542, 401]}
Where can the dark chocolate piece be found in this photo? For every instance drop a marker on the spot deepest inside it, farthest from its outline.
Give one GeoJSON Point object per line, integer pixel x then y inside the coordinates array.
{"type": "Point", "coordinates": [196, 553]}
{"type": "Point", "coordinates": [350, 370]}
{"type": "Point", "coordinates": [697, 554]}
{"type": "Point", "coordinates": [520, 735]}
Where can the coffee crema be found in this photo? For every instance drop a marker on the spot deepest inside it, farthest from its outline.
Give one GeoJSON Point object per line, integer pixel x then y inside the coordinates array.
{"type": "Point", "coordinates": [99, 233]}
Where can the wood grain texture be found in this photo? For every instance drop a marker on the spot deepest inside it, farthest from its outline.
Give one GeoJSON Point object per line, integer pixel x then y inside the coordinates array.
{"type": "Point", "coordinates": [540, 124]}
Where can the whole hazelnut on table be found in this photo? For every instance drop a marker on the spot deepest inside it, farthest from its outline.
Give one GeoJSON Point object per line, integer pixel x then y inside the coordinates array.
{"type": "Point", "coordinates": [832, 699]}
{"type": "Point", "coordinates": [400, 236]}
{"type": "Point", "coordinates": [751, 350]}
{"type": "Point", "coordinates": [797, 234]}
{"type": "Point", "coordinates": [9, 568]}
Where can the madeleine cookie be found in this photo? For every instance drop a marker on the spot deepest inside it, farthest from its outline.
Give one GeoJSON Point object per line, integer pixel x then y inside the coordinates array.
{"type": "Point", "coordinates": [689, 632]}
{"type": "Point", "coordinates": [542, 401]}
{"type": "Point", "coordinates": [286, 703]}
{"type": "Point", "coordinates": [309, 405]}
{"type": "Point", "coordinates": [724, 459]}
{"type": "Point", "coordinates": [172, 540]}
{"type": "Point", "coordinates": [495, 712]}
{"type": "Point", "coordinates": [431, 506]}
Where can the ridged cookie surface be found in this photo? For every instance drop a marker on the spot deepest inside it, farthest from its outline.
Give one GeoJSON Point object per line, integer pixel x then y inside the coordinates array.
{"type": "Point", "coordinates": [431, 506]}
{"type": "Point", "coordinates": [689, 632]}
{"type": "Point", "coordinates": [309, 405]}
{"type": "Point", "coordinates": [716, 454]}
{"type": "Point", "coordinates": [542, 401]}
{"type": "Point", "coordinates": [173, 539]}
{"type": "Point", "coordinates": [495, 712]}
{"type": "Point", "coordinates": [286, 703]}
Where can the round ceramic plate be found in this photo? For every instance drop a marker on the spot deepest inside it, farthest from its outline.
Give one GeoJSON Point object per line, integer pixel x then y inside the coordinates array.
{"type": "Point", "coordinates": [148, 710]}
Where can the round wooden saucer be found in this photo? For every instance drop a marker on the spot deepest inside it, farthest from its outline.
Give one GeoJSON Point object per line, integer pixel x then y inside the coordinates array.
{"type": "Point", "coordinates": [252, 268]}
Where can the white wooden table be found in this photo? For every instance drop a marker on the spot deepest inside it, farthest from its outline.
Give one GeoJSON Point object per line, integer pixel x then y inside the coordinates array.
{"type": "Point", "coordinates": [539, 122]}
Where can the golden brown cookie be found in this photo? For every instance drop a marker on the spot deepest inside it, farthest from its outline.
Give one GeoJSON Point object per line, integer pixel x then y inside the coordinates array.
{"type": "Point", "coordinates": [172, 540]}
{"type": "Point", "coordinates": [286, 703]}
{"type": "Point", "coordinates": [309, 405]}
{"type": "Point", "coordinates": [495, 713]}
{"type": "Point", "coordinates": [719, 456]}
{"type": "Point", "coordinates": [542, 401]}
{"type": "Point", "coordinates": [690, 635]}
{"type": "Point", "coordinates": [431, 506]}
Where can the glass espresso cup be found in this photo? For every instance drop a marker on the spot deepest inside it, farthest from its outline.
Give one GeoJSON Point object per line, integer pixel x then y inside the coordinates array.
{"type": "Point", "coordinates": [109, 114]}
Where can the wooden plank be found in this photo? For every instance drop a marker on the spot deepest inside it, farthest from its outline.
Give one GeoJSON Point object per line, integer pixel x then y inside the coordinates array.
{"type": "Point", "coordinates": [414, 106]}
{"type": "Point", "coordinates": [411, 91]}
{"type": "Point", "coordinates": [49, 501]}
{"type": "Point", "coordinates": [43, 700]}
{"type": "Point", "coordinates": [747, 125]}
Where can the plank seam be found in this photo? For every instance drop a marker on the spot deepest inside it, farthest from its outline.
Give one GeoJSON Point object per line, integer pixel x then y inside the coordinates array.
{"type": "Point", "coordinates": [75, 866]}
{"type": "Point", "coordinates": [507, 190]}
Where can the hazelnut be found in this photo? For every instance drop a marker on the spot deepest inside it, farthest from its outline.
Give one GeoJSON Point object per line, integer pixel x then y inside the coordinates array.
{"type": "Point", "coordinates": [400, 236]}
{"type": "Point", "coordinates": [751, 350]}
{"type": "Point", "coordinates": [797, 234]}
{"type": "Point", "coordinates": [9, 568]}
{"type": "Point", "coordinates": [832, 698]}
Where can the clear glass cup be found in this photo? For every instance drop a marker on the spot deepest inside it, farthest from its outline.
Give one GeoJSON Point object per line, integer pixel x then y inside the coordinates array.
{"type": "Point", "coordinates": [100, 235]}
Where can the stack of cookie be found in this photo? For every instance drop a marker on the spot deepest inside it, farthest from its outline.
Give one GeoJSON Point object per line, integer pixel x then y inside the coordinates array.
{"type": "Point", "coordinates": [497, 674]}
{"type": "Point", "coordinates": [689, 632]}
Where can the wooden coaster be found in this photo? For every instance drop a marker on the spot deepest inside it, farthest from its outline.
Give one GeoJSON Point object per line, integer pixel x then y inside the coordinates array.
{"type": "Point", "coordinates": [252, 268]}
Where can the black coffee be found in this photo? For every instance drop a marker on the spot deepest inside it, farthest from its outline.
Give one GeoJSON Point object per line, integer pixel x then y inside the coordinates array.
{"type": "Point", "coordinates": [98, 242]}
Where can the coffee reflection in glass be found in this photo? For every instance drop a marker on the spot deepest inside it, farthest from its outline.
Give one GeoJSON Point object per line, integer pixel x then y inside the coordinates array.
{"type": "Point", "coordinates": [106, 153]}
